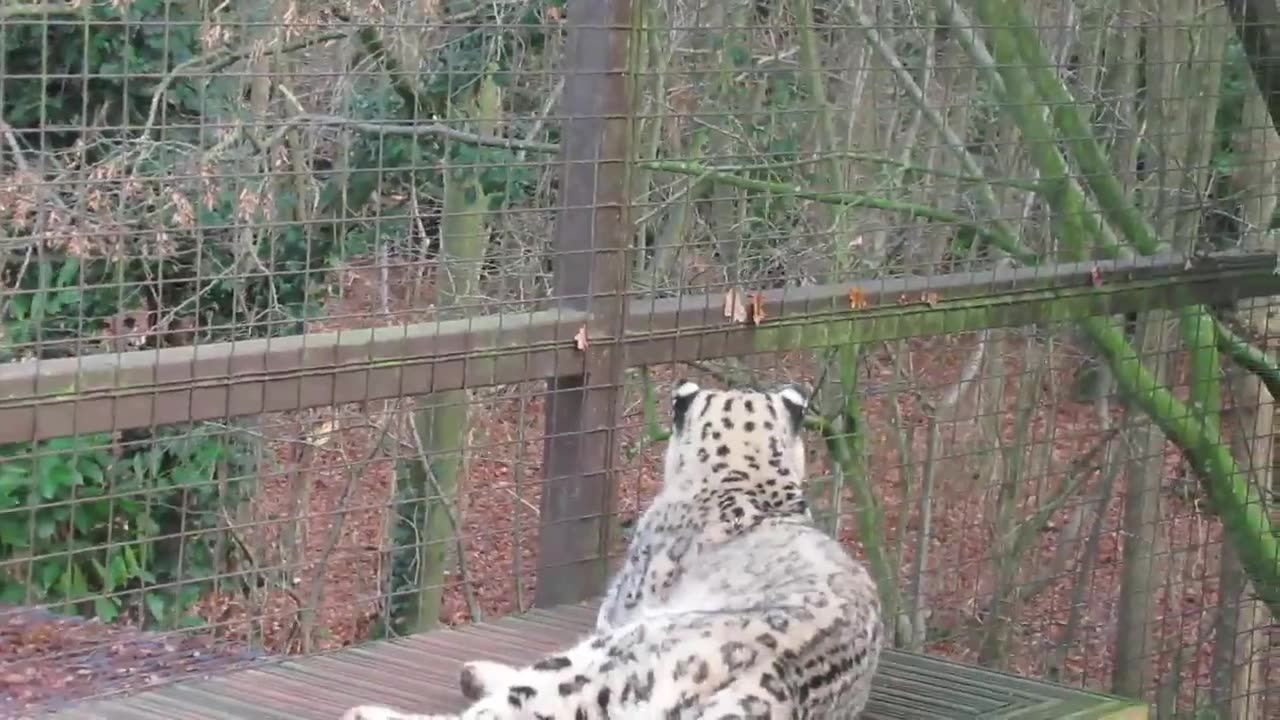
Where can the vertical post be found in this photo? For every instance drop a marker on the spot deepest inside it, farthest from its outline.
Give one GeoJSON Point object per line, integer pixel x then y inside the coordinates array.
{"type": "Point", "coordinates": [591, 238]}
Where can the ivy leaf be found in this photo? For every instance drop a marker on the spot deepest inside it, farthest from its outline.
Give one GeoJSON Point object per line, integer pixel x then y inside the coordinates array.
{"type": "Point", "coordinates": [147, 525]}
{"type": "Point", "coordinates": [13, 593]}
{"type": "Point", "coordinates": [187, 475]}
{"type": "Point", "coordinates": [119, 573]}
{"type": "Point", "coordinates": [105, 580]}
{"type": "Point", "coordinates": [13, 477]}
{"type": "Point", "coordinates": [107, 609]}
{"type": "Point", "coordinates": [156, 605]}
{"type": "Point", "coordinates": [49, 573]}
{"type": "Point", "coordinates": [90, 469]}
{"type": "Point", "coordinates": [13, 532]}
{"type": "Point", "coordinates": [134, 568]}
{"type": "Point", "coordinates": [190, 621]}
{"type": "Point", "coordinates": [46, 527]}
{"type": "Point", "coordinates": [70, 269]}
{"type": "Point", "coordinates": [76, 587]}
{"type": "Point", "coordinates": [55, 476]}
{"type": "Point", "coordinates": [84, 519]}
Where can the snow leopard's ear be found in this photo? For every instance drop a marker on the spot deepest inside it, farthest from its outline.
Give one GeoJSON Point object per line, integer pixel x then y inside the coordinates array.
{"type": "Point", "coordinates": [681, 399]}
{"type": "Point", "coordinates": [796, 401]}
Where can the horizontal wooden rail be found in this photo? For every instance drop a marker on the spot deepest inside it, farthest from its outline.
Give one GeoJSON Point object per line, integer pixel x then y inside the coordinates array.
{"type": "Point", "coordinates": [115, 391]}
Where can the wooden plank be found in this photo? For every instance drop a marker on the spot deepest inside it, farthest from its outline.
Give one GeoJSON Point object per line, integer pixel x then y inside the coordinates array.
{"type": "Point", "coordinates": [421, 673]}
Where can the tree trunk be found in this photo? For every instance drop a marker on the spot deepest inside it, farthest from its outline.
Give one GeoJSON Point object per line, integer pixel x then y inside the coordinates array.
{"type": "Point", "coordinates": [1240, 642]}
{"type": "Point", "coordinates": [1184, 70]}
{"type": "Point", "coordinates": [1141, 497]}
{"type": "Point", "coordinates": [440, 420]}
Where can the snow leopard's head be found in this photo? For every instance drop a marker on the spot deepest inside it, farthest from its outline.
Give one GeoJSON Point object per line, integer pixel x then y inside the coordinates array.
{"type": "Point", "coordinates": [745, 433]}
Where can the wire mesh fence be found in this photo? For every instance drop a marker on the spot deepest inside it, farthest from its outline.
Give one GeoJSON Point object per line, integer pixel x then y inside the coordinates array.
{"type": "Point", "coordinates": [323, 323]}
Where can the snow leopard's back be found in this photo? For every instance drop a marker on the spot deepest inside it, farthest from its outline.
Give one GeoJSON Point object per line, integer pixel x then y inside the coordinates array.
{"type": "Point", "coordinates": [730, 604]}
{"type": "Point", "coordinates": [820, 606]}
{"type": "Point", "coordinates": [730, 533]}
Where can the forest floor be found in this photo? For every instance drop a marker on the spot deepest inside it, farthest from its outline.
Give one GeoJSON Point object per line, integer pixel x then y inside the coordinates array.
{"type": "Point", "coordinates": [335, 474]}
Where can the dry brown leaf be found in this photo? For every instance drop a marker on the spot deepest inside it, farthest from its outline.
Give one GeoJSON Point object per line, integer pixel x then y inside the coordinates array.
{"type": "Point", "coordinates": [857, 298]}
{"type": "Point", "coordinates": [757, 308]}
{"type": "Point", "coordinates": [323, 433]}
{"type": "Point", "coordinates": [580, 340]}
{"type": "Point", "coordinates": [734, 308]}
{"type": "Point", "coordinates": [128, 330]}
{"type": "Point", "coordinates": [182, 331]}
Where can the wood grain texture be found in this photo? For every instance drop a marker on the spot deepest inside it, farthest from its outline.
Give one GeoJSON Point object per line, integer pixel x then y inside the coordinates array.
{"type": "Point", "coordinates": [421, 672]}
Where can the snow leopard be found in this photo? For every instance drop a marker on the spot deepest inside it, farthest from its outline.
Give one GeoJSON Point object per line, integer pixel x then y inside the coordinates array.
{"type": "Point", "coordinates": [730, 603]}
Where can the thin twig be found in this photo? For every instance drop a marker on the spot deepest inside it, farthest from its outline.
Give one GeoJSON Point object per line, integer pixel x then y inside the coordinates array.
{"type": "Point", "coordinates": [536, 128]}
{"type": "Point", "coordinates": [1080, 468]}
{"type": "Point", "coordinates": [918, 610]}
{"type": "Point", "coordinates": [220, 60]}
{"type": "Point", "coordinates": [335, 533]}
{"type": "Point", "coordinates": [43, 11]}
{"type": "Point", "coordinates": [421, 130]}
{"type": "Point", "coordinates": [1085, 569]}
{"type": "Point", "coordinates": [851, 199]}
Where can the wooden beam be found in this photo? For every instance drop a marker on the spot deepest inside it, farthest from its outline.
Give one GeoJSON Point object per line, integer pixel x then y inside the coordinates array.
{"type": "Point", "coordinates": [591, 238]}
{"type": "Point", "coordinates": [693, 328]}
{"type": "Point", "coordinates": [96, 393]}
{"type": "Point", "coordinates": [116, 391]}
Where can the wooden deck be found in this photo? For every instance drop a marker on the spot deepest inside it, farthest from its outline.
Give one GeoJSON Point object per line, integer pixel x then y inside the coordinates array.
{"type": "Point", "coordinates": [421, 673]}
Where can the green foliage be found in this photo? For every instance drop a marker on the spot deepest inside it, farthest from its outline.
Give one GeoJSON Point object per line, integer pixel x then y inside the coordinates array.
{"type": "Point", "coordinates": [405, 167]}
{"type": "Point", "coordinates": [777, 138]}
{"type": "Point", "coordinates": [100, 69]}
{"type": "Point", "coordinates": [449, 79]}
{"type": "Point", "coordinates": [96, 527]}
{"type": "Point", "coordinates": [164, 247]}
{"type": "Point", "coordinates": [403, 579]}
{"type": "Point", "coordinates": [65, 297]}
{"type": "Point", "coordinates": [780, 133]}
{"type": "Point", "coordinates": [1237, 83]}
{"type": "Point", "coordinates": [132, 526]}
{"type": "Point", "coordinates": [104, 68]}
{"type": "Point", "coordinates": [40, 313]}
{"type": "Point", "coordinates": [448, 87]}
{"type": "Point", "coordinates": [1223, 206]}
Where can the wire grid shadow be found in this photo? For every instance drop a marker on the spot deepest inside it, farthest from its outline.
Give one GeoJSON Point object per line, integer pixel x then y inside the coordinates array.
{"type": "Point", "coordinates": [325, 324]}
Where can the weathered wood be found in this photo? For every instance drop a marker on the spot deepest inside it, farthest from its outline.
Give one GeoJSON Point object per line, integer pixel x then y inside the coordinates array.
{"type": "Point", "coordinates": [115, 391]}
{"type": "Point", "coordinates": [94, 393]}
{"type": "Point", "coordinates": [590, 268]}
{"type": "Point", "coordinates": [420, 673]}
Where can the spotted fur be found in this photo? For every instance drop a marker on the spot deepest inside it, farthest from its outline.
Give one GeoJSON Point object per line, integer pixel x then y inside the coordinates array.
{"type": "Point", "coordinates": [731, 604]}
